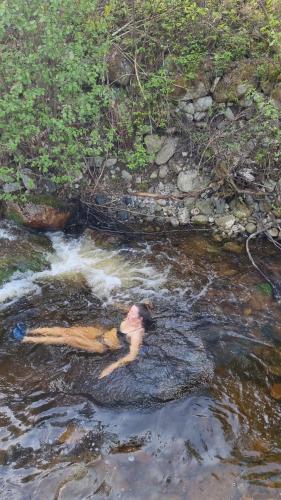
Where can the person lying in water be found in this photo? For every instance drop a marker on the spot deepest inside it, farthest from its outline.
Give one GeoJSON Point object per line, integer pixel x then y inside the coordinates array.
{"type": "Point", "coordinates": [93, 338]}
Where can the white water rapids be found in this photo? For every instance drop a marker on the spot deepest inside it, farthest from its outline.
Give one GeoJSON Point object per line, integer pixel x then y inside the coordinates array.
{"type": "Point", "coordinates": [108, 273]}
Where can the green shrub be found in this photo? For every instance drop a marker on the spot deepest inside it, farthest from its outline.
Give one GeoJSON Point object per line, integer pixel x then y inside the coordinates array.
{"type": "Point", "coordinates": [52, 89]}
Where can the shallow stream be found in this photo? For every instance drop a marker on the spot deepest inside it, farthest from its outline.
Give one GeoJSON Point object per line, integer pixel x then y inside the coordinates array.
{"type": "Point", "coordinates": [197, 416]}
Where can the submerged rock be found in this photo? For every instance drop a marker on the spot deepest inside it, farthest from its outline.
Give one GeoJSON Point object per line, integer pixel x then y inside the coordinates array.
{"type": "Point", "coordinates": [168, 366]}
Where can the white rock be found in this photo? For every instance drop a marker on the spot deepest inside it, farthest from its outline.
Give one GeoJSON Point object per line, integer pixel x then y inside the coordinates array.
{"type": "Point", "coordinates": [188, 181]}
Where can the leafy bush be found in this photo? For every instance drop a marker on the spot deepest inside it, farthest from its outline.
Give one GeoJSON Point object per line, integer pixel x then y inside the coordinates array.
{"type": "Point", "coordinates": [52, 86]}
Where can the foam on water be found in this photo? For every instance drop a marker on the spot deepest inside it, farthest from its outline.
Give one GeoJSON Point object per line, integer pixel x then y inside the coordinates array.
{"type": "Point", "coordinates": [108, 273]}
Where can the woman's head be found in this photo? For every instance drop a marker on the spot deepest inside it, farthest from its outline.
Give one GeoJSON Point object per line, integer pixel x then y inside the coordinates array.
{"type": "Point", "coordinates": [140, 312]}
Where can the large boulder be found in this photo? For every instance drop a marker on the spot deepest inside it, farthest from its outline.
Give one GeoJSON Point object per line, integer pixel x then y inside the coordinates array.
{"type": "Point", "coordinates": [167, 368]}
{"type": "Point", "coordinates": [39, 212]}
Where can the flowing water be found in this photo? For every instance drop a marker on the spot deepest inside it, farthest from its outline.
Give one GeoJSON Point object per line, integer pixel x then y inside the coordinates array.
{"type": "Point", "coordinates": [196, 417]}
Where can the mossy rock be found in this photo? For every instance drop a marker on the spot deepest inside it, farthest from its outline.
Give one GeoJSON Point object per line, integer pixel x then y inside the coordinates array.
{"type": "Point", "coordinates": [229, 88]}
{"type": "Point", "coordinates": [21, 262]}
{"type": "Point", "coordinates": [40, 212]}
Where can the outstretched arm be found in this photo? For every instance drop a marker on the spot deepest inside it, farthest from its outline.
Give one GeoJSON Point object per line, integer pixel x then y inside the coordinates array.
{"type": "Point", "coordinates": [134, 350]}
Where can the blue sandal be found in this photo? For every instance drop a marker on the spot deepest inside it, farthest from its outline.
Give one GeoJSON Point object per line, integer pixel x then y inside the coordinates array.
{"type": "Point", "coordinates": [18, 332]}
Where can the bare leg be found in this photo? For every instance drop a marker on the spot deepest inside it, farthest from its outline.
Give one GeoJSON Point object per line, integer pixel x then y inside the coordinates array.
{"type": "Point", "coordinates": [90, 345]}
{"type": "Point", "coordinates": [90, 332]}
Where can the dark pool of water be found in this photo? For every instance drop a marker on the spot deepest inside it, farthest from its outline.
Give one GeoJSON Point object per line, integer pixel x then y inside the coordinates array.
{"type": "Point", "coordinates": [217, 440]}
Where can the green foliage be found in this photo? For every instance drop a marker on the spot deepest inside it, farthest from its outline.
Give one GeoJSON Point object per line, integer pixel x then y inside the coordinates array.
{"type": "Point", "coordinates": [53, 96]}
{"type": "Point", "coordinates": [265, 288]}
{"type": "Point", "coordinates": [139, 157]}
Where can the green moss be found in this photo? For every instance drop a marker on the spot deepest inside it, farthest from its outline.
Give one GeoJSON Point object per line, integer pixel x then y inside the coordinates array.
{"type": "Point", "coordinates": [265, 288]}
{"type": "Point", "coordinates": [45, 199]}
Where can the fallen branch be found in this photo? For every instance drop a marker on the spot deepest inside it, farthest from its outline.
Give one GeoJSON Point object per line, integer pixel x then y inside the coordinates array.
{"type": "Point", "coordinates": [160, 196]}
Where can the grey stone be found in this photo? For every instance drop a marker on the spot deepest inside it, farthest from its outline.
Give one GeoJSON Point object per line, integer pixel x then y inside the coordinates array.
{"type": "Point", "coordinates": [174, 221]}
{"type": "Point", "coordinates": [246, 103]}
{"type": "Point", "coordinates": [167, 150]}
{"type": "Point", "coordinates": [187, 107]}
{"type": "Point", "coordinates": [206, 207]}
{"type": "Point", "coordinates": [188, 181]}
{"type": "Point", "coordinates": [199, 116]}
{"type": "Point", "coordinates": [274, 232]}
{"type": "Point", "coordinates": [199, 219]}
{"type": "Point", "coordinates": [242, 89]}
{"type": "Point", "coordinates": [98, 161]}
{"type": "Point", "coordinates": [219, 204]}
{"type": "Point", "coordinates": [163, 171]}
{"type": "Point", "coordinates": [203, 104]}
{"type": "Point", "coordinates": [196, 89]}
{"type": "Point", "coordinates": [228, 113]}
{"type": "Point", "coordinates": [100, 199]}
{"type": "Point", "coordinates": [183, 216]}
{"type": "Point", "coordinates": [240, 209]}
{"type": "Point", "coordinates": [251, 228]}
{"type": "Point", "coordinates": [269, 185]}
{"type": "Point", "coordinates": [110, 162]}
{"type": "Point", "coordinates": [189, 202]}
{"type": "Point", "coordinates": [222, 125]}
{"type": "Point", "coordinates": [11, 187]}
{"type": "Point", "coordinates": [189, 117]}
{"type": "Point", "coordinates": [138, 180]}
{"type": "Point", "coordinates": [28, 181]}
{"type": "Point", "coordinates": [247, 174]}
{"type": "Point", "coordinates": [225, 221]}
{"type": "Point", "coordinates": [123, 215]}
{"type": "Point", "coordinates": [176, 165]}
{"type": "Point", "coordinates": [126, 176]}
{"type": "Point", "coordinates": [153, 143]}
{"type": "Point", "coordinates": [162, 202]}
{"type": "Point", "coordinates": [153, 175]}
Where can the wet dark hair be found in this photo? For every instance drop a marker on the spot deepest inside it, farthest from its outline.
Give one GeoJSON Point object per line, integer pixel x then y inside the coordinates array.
{"type": "Point", "coordinates": [145, 314]}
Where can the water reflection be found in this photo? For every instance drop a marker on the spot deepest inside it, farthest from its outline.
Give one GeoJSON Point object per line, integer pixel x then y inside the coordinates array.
{"type": "Point", "coordinates": [221, 441]}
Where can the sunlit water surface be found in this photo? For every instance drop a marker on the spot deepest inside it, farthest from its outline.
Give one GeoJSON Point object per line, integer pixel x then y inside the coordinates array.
{"type": "Point", "coordinates": [219, 441]}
